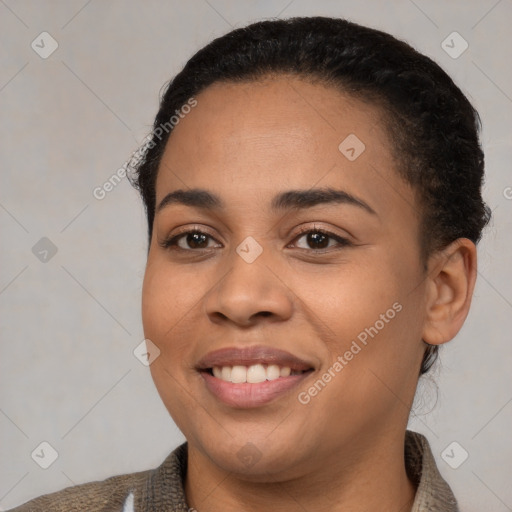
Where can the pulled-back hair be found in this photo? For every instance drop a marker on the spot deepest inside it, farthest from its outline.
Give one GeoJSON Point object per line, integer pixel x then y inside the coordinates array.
{"type": "Point", "coordinates": [432, 125]}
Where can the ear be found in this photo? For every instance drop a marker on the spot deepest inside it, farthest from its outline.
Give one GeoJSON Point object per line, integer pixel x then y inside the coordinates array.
{"type": "Point", "coordinates": [450, 283]}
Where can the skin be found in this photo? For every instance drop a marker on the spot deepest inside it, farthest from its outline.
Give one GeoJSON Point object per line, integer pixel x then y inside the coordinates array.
{"type": "Point", "coordinates": [344, 449]}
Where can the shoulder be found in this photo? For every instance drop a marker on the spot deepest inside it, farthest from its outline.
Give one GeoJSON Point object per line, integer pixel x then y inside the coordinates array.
{"type": "Point", "coordinates": [109, 494]}
{"type": "Point", "coordinates": [160, 488]}
{"type": "Point", "coordinates": [432, 490]}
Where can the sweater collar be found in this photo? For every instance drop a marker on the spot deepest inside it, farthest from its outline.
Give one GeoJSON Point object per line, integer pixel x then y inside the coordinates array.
{"type": "Point", "coordinates": [164, 488]}
{"type": "Point", "coordinates": [432, 491]}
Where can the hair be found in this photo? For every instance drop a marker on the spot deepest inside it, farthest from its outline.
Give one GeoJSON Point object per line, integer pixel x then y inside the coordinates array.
{"type": "Point", "coordinates": [433, 127]}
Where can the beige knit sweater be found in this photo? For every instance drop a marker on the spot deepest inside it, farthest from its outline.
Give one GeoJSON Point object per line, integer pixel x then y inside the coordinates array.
{"type": "Point", "coordinates": [161, 489]}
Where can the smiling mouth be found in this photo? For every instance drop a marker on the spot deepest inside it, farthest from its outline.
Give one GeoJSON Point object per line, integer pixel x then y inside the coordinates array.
{"type": "Point", "coordinates": [253, 374]}
{"type": "Point", "coordinates": [248, 387]}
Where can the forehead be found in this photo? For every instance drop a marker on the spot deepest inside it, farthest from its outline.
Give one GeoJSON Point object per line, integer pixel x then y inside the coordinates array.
{"type": "Point", "coordinates": [253, 138]}
{"type": "Point", "coordinates": [281, 112]}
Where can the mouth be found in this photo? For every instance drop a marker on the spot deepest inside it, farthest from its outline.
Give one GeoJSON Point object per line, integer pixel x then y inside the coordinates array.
{"type": "Point", "coordinates": [252, 376]}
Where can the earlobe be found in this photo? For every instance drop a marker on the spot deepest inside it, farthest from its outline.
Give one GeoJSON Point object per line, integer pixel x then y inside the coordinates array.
{"type": "Point", "coordinates": [450, 285]}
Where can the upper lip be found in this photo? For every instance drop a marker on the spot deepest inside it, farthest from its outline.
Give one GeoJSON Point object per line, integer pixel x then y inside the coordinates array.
{"type": "Point", "coordinates": [247, 356]}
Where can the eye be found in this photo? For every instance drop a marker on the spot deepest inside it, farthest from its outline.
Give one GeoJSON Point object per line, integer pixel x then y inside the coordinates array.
{"type": "Point", "coordinates": [188, 240]}
{"type": "Point", "coordinates": [196, 240]}
{"type": "Point", "coordinates": [318, 239]}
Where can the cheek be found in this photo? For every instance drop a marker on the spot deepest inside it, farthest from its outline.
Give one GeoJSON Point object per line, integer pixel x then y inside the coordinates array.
{"type": "Point", "coordinates": [168, 301]}
{"type": "Point", "coordinates": [168, 296]}
{"type": "Point", "coordinates": [370, 315]}
{"type": "Point", "coordinates": [351, 298]}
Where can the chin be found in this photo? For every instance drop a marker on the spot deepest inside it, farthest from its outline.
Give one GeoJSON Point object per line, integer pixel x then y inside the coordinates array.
{"type": "Point", "coordinates": [256, 458]}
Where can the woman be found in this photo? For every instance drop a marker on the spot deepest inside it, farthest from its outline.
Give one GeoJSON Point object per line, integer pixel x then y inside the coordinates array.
{"type": "Point", "coordinates": [313, 195]}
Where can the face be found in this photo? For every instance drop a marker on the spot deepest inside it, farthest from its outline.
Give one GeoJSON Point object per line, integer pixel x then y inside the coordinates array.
{"type": "Point", "coordinates": [288, 321]}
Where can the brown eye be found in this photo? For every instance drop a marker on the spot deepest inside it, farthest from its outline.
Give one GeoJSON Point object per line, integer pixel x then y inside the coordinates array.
{"type": "Point", "coordinates": [196, 240]}
{"type": "Point", "coordinates": [318, 239]}
{"type": "Point", "coordinates": [188, 241]}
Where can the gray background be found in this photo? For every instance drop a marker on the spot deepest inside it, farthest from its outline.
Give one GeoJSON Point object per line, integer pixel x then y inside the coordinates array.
{"type": "Point", "coordinates": [70, 324]}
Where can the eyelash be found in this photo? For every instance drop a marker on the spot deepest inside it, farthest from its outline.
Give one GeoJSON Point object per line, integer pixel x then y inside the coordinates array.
{"type": "Point", "coordinates": [171, 243]}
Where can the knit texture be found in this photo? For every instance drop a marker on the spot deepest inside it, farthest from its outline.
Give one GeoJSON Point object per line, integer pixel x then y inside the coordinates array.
{"type": "Point", "coordinates": [161, 489]}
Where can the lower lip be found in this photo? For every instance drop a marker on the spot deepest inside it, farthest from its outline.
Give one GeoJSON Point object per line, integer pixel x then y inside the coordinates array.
{"type": "Point", "coordinates": [248, 395]}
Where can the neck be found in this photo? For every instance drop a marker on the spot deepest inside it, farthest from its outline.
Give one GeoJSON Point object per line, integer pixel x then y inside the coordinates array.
{"type": "Point", "coordinates": [374, 480]}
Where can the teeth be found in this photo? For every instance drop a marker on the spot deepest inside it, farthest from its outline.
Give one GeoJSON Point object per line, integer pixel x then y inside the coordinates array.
{"type": "Point", "coordinates": [256, 373]}
{"type": "Point", "coordinates": [273, 372]}
{"type": "Point", "coordinates": [225, 373]}
{"type": "Point", "coordinates": [239, 374]}
{"type": "Point", "coordinates": [253, 374]}
{"type": "Point", "coordinates": [285, 371]}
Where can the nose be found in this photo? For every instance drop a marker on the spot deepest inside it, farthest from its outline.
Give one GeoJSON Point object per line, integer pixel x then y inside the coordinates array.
{"type": "Point", "coordinates": [249, 293]}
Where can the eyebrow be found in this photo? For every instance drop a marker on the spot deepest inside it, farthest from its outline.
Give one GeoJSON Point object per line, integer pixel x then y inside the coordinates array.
{"type": "Point", "coordinates": [292, 199]}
